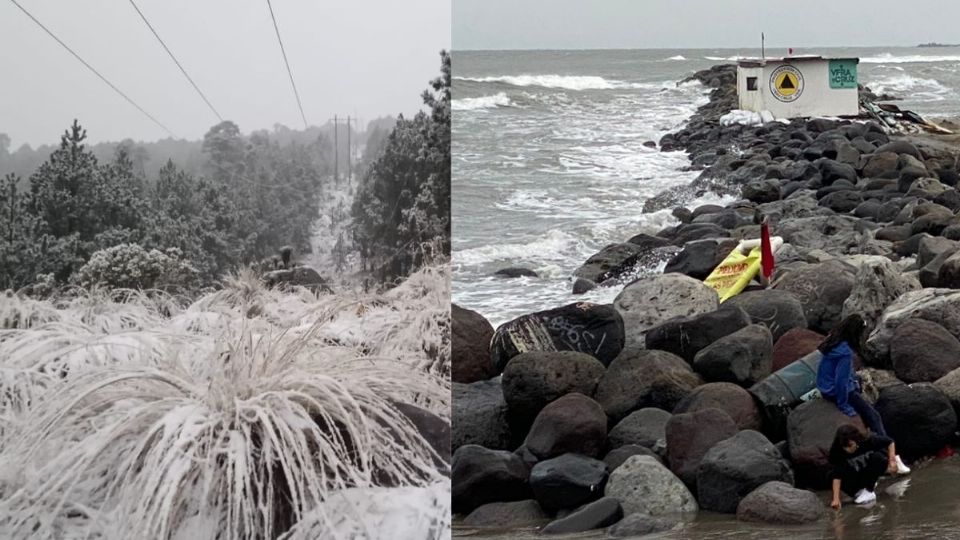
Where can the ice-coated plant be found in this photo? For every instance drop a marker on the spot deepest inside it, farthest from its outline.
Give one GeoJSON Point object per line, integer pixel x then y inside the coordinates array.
{"type": "Point", "coordinates": [136, 418]}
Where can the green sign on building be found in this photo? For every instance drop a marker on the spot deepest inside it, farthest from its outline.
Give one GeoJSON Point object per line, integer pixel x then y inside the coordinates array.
{"type": "Point", "coordinates": [843, 74]}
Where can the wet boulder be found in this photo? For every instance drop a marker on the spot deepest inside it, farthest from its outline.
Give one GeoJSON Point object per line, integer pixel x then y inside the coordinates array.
{"type": "Point", "coordinates": [697, 259]}
{"type": "Point", "coordinates": [595, 329]}
{"type": "Point", "coordinates": [644, 486]}
{"type": "Point", "coordinates": [612, 261]}
{"type": "Point", "coordinates": [533, 379]}
{"type": "Point", "coordinates": [567, 481]}
{"type": "Point", "coordinates": [780, 503]}
{"type": "Point", "coordinates": [735, 467]}
{"type": "Point", "coordinates": [728, 397]}
{"type": "Point", "coordinates": [794, 345]}
{"type": "Point", "coordinates": [639, 378]}
{"type": "Point", "coordinates": [481, 476]}
{"type": "Point", "coordinates": [644, 428]}
{"type": "Point", "coordinates": [685, 337]}
{"type": "Point", "coordinates": [918, 417]}
{"type": "Point", "coordinates": [949, 384]}
{"type": "Point", "coordinates": [653, 300]}
{"type": "Point", "coordinates": [843, 201]}
{"type": "Point", "coordinates": [948, 275]}
{"type": "Point", "coordinates": [900, 147]}
{"type": "Point", "coordinates": [471, 335]}
{"type": "Point", "coordinates": [574, 423]}
{"type": "Point", "coordinates": [500, 515]}
{"type": "Point", "coordinates": [515, 272]}
{"type": "Point", "coordinates": [596, 515]}
{"type": "Point", "coordinates": [923, 351]}
{"type": "Point", "coordinates": [480, 416]}
{"type": "Point", "coordinates": [831, 171]}
{"type": "Point", "coordinates": [780, 311]}
{"type": "Point", "coordinates": [691, 435]}
{"type": "Point", "coordinates": [836, 234]}
{"type": "Point", "coordinates": [810, 431]}
{"type": "Point", "coordinates": [743, 357]}
{"type": "Point", "coordinates": [583, 286]}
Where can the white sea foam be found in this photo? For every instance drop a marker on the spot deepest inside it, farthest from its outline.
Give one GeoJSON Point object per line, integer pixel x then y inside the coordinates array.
{"type": "Point", "coordinates": [677, 57]}
{"type": "Point", "coordinates": [483, 102]}
{"type": "Point", "coordinates": [556, 245]}
{"type": "Point", "coordinates": [909, 87]}
{"type": "Point", "coordinates": [888, 58]}
{"type": "Point", "coordinates": [565, 82]}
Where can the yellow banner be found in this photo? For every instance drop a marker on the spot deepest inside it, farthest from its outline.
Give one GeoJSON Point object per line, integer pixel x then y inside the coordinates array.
{"type": "Point", "coordinates": [734, 273]}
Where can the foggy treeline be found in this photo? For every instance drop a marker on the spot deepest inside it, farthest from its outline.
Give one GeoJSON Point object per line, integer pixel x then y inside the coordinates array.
{"type": "Point", "coordinates": [179, 214]}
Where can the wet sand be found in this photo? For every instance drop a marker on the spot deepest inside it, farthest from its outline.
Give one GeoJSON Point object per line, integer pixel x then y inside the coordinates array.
{"type": "Point", "coordinates": [928, 508]}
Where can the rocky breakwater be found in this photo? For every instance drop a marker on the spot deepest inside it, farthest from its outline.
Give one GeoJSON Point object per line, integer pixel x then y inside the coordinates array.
{"type": "Point", "coordinates": [636, 415]}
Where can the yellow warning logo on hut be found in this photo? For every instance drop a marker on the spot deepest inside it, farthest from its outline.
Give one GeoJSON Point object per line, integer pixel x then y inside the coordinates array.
{"type": "Point", "coordinates": [786, 83]}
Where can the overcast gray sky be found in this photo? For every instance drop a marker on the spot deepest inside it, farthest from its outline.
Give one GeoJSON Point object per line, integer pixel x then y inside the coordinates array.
{"type": "Point", "coordinates": [592, 24]}
{"type": "Point", "coordinates": [364, 57]}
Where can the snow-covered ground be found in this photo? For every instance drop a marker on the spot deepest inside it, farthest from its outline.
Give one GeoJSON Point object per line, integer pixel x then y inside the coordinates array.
{"type": "Point", "coordinates": [249, 413]}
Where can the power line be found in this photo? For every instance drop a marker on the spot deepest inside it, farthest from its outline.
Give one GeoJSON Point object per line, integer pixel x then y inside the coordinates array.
{"type": "Point", "coordinates": [95, 72]}
{"type": "Point", "coordinates": [282, 50]}
{"type": "Point", "coordinates": [175, 61]}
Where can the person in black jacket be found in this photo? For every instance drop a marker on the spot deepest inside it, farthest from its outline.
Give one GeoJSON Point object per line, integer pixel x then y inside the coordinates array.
{"type": "Point", "coordinates": [858, 461]}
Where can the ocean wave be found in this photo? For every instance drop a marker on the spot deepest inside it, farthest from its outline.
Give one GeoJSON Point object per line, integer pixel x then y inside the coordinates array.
{"type": "Point", "coordinates": [564, 82]}
{"type": "Point", "coordinates": [888, 58]}
{"type": "Point", "coordinates": [556, 246]}
{"type": "Point", "coordinates": [677, 57]}
{"type": "Point", "coordinates": [722, 58]}
{"type": "Point", "coordinates": [483, 102]}
{"type": "Point", "coordinates": [909, 87]}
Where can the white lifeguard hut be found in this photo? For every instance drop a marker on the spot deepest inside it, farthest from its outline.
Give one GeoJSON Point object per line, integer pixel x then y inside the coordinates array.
{"type": "Point", "coordinates": [799, 86]}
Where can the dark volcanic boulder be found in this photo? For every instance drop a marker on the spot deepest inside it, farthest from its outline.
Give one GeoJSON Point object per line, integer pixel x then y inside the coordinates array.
{"type": "Point", "coordinates": [482, 476]}
{"type": "Point", "coordinates": [880, 165]}
{"type": "Point", "coordinates": [480, 415]}
{"type": "Point", "coordinates": [697, 259]}
{"type": "Point", "coordinates": [618, 456]}
{"type": "Point", "coordinates": [690, 435]}
{"type": "Point", "coordinates": [612, 261]}
{"type": "Point", "coordinates": [761, 191]}
{"type": "Point", "coordinates": [923, 351]}
{"type": "Point", "coordinates": [508, 515]}
{"type": "Point", "coordinates": [900, 147]}
{"type": "Point", "coordinates": [919, 418]}
{"type": "Point", "coordinates": [842, 202]}
{"type": "Point", "coordinates": [639, 378]}
{"type": "Point", "coordinates": [434, 430]}
{"type": "Point", "coordinates": [877, 285]}
{"type": "Point", "coordinates": [582, 286]}
{"type": "Point", "coordinates": [649, 242]}
{"type": "Point", "coordinates": [471, 335]}
{"type": "Point", "coordinates": [831, 171]}
{"type": "Point", "coordinates": [596, 515]}
{"type": "Point", "coordinates": [949, 384]}
{"type": "Point", "coordinates": [595, 329]}
{"type": "Point", "coordinates": [794, 345]}
{"type": "Point", "coordinates": [821, 289]}
{"type": "Point", "coordinates": [685, 337]}
{"type": "Point", "coordinates": [644, 428]}
{"type": "Point", "coordinates": [810, 431]}
{"type": "Point", "coordinates": [780, 503]}
{"type": "Point", "coordinates": [567, 481]}
{"type": "Point", "coordinates": [533, 379]}
{"type": "Point", "coordinates": [652, 300]}
{"type": "Point", "coordinates": [573, 423]}
{"type": "Point", "coordinates": [939, 305]}
{"type": "Point", "coordinates": [728, 397]}
{"type": "Point", "coordinates": [743, 357]}
{"type": "Point", "coordinates": [515, 272]}
{"type": "Point", "coordinates": [948, 275]}
{"type": "Point", "coordinates": [644, 486]}
{"type": "Point", "coordinates": [299, 276]}
{"type": "Point", "coordinates": [780, 311]}
{"type": "Point", "coordinates": [735, 467]}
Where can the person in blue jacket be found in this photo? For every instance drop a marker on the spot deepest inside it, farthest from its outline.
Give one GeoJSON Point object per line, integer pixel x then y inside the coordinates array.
{"type": "Point", "coordinates": [837, 381]}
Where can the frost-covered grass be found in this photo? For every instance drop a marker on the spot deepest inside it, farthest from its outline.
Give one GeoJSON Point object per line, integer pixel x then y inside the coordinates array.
{"type": "Point", "coordinates": [248, 413]}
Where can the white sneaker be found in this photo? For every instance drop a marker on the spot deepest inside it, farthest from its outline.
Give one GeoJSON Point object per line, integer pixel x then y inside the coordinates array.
{"type": "Point", "coordinates": [901, 468]}
{"type": "Point", "coordinates": [865, 497]}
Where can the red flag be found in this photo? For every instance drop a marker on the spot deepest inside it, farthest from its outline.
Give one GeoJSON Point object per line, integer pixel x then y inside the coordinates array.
{"type": "Point", "coordinates": [766, 250]}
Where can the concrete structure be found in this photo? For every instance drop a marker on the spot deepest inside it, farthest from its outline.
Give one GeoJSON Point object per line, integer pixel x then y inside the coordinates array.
{"type": "Point", "coordinates": [799, 86]}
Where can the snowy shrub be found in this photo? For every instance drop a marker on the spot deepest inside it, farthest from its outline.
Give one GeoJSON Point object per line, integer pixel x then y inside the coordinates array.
{"type": "Point", "coordinates": [129, 266]}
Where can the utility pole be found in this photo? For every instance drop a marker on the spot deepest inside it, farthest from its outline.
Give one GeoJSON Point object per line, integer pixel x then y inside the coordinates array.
{"type": "Point", "coordinates": [336, 152]}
